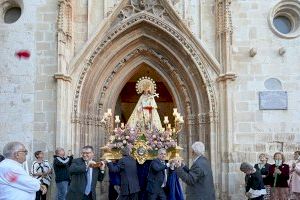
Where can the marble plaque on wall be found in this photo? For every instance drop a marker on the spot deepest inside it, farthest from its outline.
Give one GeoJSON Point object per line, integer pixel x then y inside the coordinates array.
{"type": "Point", "coordinates": [273, 100]}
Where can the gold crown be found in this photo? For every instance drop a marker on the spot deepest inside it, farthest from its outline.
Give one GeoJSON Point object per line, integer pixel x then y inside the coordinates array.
{"type": "Point", "coordinates": [145, 83]}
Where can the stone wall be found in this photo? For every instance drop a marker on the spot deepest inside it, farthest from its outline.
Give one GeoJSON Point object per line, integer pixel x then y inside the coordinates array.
{"type": "Point", "coordinates": [28, 97]}
{"type": "Point", "coordinates": [255, 130]}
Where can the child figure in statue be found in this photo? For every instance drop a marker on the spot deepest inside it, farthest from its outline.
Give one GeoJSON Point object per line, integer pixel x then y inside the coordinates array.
{"type": "Point", "coordinates": [145, 115]}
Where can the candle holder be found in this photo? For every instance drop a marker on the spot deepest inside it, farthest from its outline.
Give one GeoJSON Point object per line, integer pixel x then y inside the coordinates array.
{"type": "Point", "coordinates": [144, 143]}
{"type": "Point", "coordinates": [107, 121]}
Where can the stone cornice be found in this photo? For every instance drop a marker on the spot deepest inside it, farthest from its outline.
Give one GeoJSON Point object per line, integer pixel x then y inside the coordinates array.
{"type": "Point", "coordinates": [60, 76]}
{"type": "Point", "coordinates": [228, 76]}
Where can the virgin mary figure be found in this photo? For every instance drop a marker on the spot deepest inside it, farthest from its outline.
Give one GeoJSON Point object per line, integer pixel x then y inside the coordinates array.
{"type": "Point", "coordinates": [145, 115]}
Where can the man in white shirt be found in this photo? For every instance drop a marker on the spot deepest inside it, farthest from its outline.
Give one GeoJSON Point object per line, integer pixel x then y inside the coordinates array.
{"type": "Point", "coordinates": [15, 182]}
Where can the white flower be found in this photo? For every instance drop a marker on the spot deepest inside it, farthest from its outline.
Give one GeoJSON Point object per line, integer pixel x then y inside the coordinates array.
{"type": "Point", "coordinates": [112, 138]}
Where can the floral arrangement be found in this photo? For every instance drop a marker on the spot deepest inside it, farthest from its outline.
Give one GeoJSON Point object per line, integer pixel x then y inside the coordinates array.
{"type": "Point", "coordinates": [155, 139]}
{"type": "Point", "coordinates": [160, 139]}
{"type": "Point", "coordinates": [122, 137]}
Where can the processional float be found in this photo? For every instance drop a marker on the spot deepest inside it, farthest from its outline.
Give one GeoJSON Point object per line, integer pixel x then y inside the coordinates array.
{"type": "Point", "coordinates": [143, 132]}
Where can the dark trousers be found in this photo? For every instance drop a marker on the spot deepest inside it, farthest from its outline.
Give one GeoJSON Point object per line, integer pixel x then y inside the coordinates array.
{"type": "Point", "coordinates": [160, 195]}
{"type": "Point", "coordinates": [112, 193]}
{"type": "Point", "coordinates": [134, 196]}
{"type": "Point", "coordinates": [39, 195]}
{"type": "Point", "coordinates": [88, 197]}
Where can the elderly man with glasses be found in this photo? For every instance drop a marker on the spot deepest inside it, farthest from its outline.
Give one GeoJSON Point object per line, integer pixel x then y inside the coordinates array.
{"type": "Point", "coordinates": [15, 182]}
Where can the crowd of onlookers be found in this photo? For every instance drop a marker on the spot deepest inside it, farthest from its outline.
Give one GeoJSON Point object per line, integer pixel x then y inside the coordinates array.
{"type": "Point", "coordinates": [76, 178]}
{"type": "Point", "coordinates": [278, 181]}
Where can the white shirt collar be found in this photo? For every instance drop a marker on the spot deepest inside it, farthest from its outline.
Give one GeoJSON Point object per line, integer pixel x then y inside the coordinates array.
{"type": "Point", "coordinates": [196, 158]}
{"type": "Point", "coordinates": [13, 161]}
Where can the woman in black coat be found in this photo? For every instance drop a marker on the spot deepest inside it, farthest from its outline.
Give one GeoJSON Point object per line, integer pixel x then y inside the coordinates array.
{"type": "Point", "coordinates": [264, 168]}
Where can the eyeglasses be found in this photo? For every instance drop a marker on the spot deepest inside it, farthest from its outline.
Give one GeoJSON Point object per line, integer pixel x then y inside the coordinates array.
{"type": "Point", "coordinates": [86, 152]}
{"type": "Point", "coordinates": [24, 151]}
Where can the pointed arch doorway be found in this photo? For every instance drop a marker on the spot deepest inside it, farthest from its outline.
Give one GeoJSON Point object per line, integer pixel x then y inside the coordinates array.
{"type": "Point", "coordinates": [102, 76]}
{"type": "Point", "coordinates": [107, 84]}
{"type": "Point", "coordinates": [105, 87]}
{"type": "Point", "coordinates": [119, 52]}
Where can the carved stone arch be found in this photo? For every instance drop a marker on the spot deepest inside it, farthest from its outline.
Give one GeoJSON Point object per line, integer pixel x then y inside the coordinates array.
{"type": "Point", "coordinates": [114, 81]}
{"type": "Point", "coordinates": [186, 66]}
{"type": "Point", "coordinates": [176, 34]}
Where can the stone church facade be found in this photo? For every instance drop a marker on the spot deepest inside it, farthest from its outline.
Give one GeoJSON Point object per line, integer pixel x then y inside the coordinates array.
{"type": "Point", "coordinates": [231, 67]}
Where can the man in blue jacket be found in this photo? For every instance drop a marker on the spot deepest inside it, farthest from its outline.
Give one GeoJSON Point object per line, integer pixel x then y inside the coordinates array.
{"type": "Point", "coordinates": [84, 174]}
{"type": "Point", "coordinates": [157, 177]}
{"type": "Point", "coordinates": [129, 178]}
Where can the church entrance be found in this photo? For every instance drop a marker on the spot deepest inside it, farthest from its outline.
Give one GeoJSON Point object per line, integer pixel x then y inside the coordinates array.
{"type": "Point", "coordinates": [128, 48]}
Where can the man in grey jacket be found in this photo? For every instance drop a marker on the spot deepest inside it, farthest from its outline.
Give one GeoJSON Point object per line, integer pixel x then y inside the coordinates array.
{"type": "Point", "coordinates": [199, 177]}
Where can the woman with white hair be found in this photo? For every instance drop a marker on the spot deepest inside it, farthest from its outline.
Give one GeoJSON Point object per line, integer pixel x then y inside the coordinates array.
{"type": "Point", "coordinates": [255, 189]}
{"type": "Point", "coordinates": [199, 177]}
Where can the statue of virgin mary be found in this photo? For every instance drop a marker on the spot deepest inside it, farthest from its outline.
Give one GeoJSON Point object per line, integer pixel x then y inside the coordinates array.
{"type": "Point", "coordinates": [145, 115]}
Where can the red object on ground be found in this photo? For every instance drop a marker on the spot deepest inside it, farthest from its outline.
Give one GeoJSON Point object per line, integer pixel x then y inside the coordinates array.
{"type": "Point", "coordinates": [23, 54]}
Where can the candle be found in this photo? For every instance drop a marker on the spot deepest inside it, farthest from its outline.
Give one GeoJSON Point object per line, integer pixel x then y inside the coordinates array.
{"type": "Point", "coordinates": [181, 119]}
{"type": "Point", "coordinates": [175, 111]}
{"type": "Point", "coordinates": [109, 112]}
{"type": "Point", "coordinates": [105, 115]}
{"type": "Point", "coordinates": [166, 120]}
{"type": "Point", "coordinates": [117, 120]}
{"type": "Point", "coordinates": [169, 126]}
{"type": "Point", "coordinates": [122, 125]}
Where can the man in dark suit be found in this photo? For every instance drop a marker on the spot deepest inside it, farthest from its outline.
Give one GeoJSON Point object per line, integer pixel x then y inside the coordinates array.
{"type": "Point", "coordinates": [129, 178]}
{"type": "Point", "coordinates": [157, 177]}
{"type": "Point", "coordinates": [84, 176]}
{"type": "Point", "coordinates": [199, 179]}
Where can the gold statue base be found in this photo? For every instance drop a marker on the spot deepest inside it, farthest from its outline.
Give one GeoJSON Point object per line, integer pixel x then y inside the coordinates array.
{"type": "Point", "coordinates": [140, 152]}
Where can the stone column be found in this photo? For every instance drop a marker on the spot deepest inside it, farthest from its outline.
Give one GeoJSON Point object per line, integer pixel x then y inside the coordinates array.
{"type": "Point", "coordinates": [65, 52]}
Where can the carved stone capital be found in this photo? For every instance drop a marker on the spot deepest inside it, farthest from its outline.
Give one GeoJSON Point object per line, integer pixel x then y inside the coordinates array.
{"type": "Point", "coordinates": [191, 119]}
{"type": "Point", "coordinates": [60, 76]}
{"type": "Point", "coordinates": [203, 118]}
{"type": "Point", "coordinates": [227, 76]}
{"type": "Point", "coordinates": [213, 116]}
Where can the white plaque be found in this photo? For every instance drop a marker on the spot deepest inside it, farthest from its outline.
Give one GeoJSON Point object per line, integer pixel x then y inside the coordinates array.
{"type": "Point", "coordinates": [273, 100]}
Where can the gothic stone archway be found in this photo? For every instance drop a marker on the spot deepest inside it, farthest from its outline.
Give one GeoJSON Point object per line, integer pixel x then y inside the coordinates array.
{"type": "Point", "coordinates": [161, 41]}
